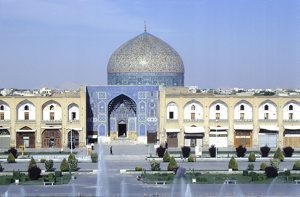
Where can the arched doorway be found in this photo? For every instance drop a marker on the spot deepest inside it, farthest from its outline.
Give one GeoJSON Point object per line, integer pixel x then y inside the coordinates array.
{"type": "Point", "coordinates": [122, 129]}
{"type": "Point", "coordinates": [25, 136]}
{"type": "Point", "coordinates": [121, 109]}
{"type": "Point", "coordinates": [74, 137]}
{"type": "Point", "coordinates": [51, 138]}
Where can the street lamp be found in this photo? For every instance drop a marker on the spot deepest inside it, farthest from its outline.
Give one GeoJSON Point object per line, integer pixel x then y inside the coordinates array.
{"type": "Point", "coordinates": [71, 140]}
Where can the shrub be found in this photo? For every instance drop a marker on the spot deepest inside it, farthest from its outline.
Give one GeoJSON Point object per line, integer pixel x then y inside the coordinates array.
{"type": "Point", "coordinates": [212, 151]}
{"type": "Point", "coordinates": [240, 151]}
{"type": "Point", "coordinates": [271, 172]}
{"type": "Point", "coordinates": [31, 163]}
{"type": "Point", "coordinates": [250, 166]}
{"type": "Point", "coordinates": [11, 158]}
{"type": "Point", "coordinates": [71, 157]}
{"type": "Point", "coordinates": [191, 158]}
{"type": "Point", "coordinates": [1, 168]}
{"type": "Point", "coordinates": [263, 166]}
{"type": "Point", "coordinates": [43, 160]}
{"type": "Point", "coordinates": [155, 165]}
{"type": "Point", "coordinates": [288, 151]}
{"type": "Point", "coordinates": [13, 151]}
{"type": "Point", "coordinates": [34, 173]}
{"type": "Point", "coordinates": [58, 173]}
{"type": "Point", "coordinates": [64, 166]}
{"type": "Point", "coordinates": [160, 151]}
{"type": "Point", "coordinates": [185, 151]}
{"type": "Point", "coordinates": [279, 155]}
{"type": "Point", "coordinates": [252, 157]}
{"type": "Point", "coordinates": [73, 163]}
{"type": "Point", "coordinates": [296, 165]}
{"type": "Point", "coordinates": [264, 151]}
{"type": "Point", "coordinates": [233, 164]}
{"type": "Point", "coordinates": [94, 157]}
{"type": "Point", "coordinates": [16, 175]}
{"type": "Point", "coordinates": [138, 168]}
{"type": "Point", "coordinates": [275, 163]}
{"type": "Point", "coordinates": [172, 164]}
{"type": "Point", "coordinates": [166, 157]}
{"type": "Point", "coordinates": [245, 173]}
{"type": "Point", "coordinates": [51, 177]}
{"type": "Point", "coordinates": [49, 165]}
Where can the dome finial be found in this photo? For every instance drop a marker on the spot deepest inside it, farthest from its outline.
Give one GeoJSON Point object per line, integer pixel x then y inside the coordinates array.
{"type": "Point", "coordinates": [145, 26]}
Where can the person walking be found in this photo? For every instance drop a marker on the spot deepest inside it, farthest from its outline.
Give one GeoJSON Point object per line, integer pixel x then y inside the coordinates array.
{"type": "Point", "coordinates": [110, 150]}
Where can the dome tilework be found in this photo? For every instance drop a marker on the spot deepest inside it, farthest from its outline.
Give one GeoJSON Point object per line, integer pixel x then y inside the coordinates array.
{"type": "Point", "coordinates": [145, 53]}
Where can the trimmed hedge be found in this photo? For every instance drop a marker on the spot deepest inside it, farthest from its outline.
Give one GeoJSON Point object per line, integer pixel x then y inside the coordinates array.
{"type": "Point", "coordinates": [94, 157]}
{"type": "Point", "coordinates": [271, 172]}
{"type": "Point", "coordinates": [296, 165]}
{"type": "Point", "coordinates": [279, 155]}
{"type": "Point", "coordinates": [34, 173]}
{"type": "Point", "coordinates": [49, 165]}
{"type": "Point", "coordinates": [252, 157]}
{"type": "Point", "coordinates": [11, 158]}
{"type": "Point", "coordinates": [233, 164]}
{"type": "Point", "coordinates": [64, 166]}
{"type": "Point", "coordinates": [212, 151]}
{"type": "Point", "coordinates": [166, 157]}
{"type": "Point", "coordinates": [172, 164]}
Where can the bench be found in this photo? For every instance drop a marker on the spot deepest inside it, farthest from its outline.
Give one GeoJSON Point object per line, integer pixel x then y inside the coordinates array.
{"type": "Point", "coordinates": [297, 181]}
{"type": "Point", "coordinates": [160, 182]}
{"type": "Point", "coordinates": [230, 182]}
{"type": "Point", "coordinates": [48, 183]}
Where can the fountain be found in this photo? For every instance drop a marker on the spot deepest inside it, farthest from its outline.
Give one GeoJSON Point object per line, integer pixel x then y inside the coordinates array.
{"type": "Point", "coordinates": [179, 183]}
{"type": "Point", "coordinates": [124, 192]}
{"type": "Point", "coordinates": [102, 187]}
{"type": "Point", "coordinates": [15, 190]}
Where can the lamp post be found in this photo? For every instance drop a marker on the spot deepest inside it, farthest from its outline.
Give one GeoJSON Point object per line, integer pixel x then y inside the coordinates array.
{"type": "Point", "coordinates": [71, 140]}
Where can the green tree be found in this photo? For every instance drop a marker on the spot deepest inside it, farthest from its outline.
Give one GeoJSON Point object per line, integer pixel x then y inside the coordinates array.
{"type": "Point", "coordinates": [172, 164]}
{"type": "Point", "coordinates": [11, 158]}
{"type": "Point", "coordinates": [279, 154]}
{"type": "Point", "coordinates": [252, 157]}
{"type": "Point", "coordinates": [166, 157]}
{"type": "Point", "coordinates": [233, 164]}
{"type": "Point", "coordinates": [32, 163]}
{"type": "Point", "coordinates": [64, 166]}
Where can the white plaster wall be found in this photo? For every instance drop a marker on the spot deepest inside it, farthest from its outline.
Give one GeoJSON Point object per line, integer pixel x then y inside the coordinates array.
{"type": "Point", "coordinates": [272, 111]}
{"type": "Point", "coordinates": [295, 111]}
{"type": "Point", "coordinates": [6, 111]}
{"type": "Point", "coordinates": [21, 111]}
{"type": "Point", "coordinates": [57, 111]}
{"type": "Point", "coordinates": [198, 111]}
{"type": "Point", "coordinates": [172, 107]}
{"type": "Point", "coordinates": [223, 111]}
{"type": "Point", "coordinates": [247, 111]}
{"type": "Point", "coordinates": [73, 108]}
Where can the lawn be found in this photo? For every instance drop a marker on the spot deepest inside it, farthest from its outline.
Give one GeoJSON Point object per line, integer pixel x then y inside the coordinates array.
{"type": "Point", "coordinates": [208, 178]}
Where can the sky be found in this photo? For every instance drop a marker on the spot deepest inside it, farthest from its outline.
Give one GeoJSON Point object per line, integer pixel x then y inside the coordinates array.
{"type": "Point", "coordinates": [223, 43]}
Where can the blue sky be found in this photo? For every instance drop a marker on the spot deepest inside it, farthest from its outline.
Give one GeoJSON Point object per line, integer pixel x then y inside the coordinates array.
{"type": "Point", "coordinates": [223, 43]}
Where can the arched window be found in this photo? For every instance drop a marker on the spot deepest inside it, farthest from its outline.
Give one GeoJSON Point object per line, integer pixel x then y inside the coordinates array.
{"type": "Point", "coordinates": [51, 107]}
{"type": "Point", "coordinates": [266, 107]}
{"type": "Point", "coordinates": [193, 107]}
{"type": "Point", "coordinates": [217, 107]}
{"type": "Point", "coordinates": [242, 107]}
{"type": "Point", "coordinates": [26, 107]}
{"type": "Point", "coordinates": [2, 107]}
{"type": "Point", "coordinates": [291, 107]}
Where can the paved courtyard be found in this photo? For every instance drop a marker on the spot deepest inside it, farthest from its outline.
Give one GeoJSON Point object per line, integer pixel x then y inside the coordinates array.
{"type": "Point", "coordinates": [129, 156]}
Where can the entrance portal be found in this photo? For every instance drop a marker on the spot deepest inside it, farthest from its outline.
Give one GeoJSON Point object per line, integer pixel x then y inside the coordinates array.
{"type": "Point", "coordinates": [122, 129]}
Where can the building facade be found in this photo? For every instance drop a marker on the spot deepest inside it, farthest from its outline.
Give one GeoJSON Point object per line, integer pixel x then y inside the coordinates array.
{"type": "Point", "coordinates": [43, 121]}
{"type": "Point", "coordinates": [197, 119]}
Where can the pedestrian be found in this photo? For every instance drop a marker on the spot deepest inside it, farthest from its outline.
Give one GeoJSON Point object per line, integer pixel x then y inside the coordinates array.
{"type": "Point", "coordinates": [110, 149]}
{"type": "Point", "coordinates": [166, 145]}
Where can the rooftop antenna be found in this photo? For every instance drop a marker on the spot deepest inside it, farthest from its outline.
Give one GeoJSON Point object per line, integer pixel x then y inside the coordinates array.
{"type": "Point", "coordinates": [145, 26]}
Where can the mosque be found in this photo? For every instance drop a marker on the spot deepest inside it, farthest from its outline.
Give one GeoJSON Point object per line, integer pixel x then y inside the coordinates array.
{"type": "Point", "coordinates": [146, 101]}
